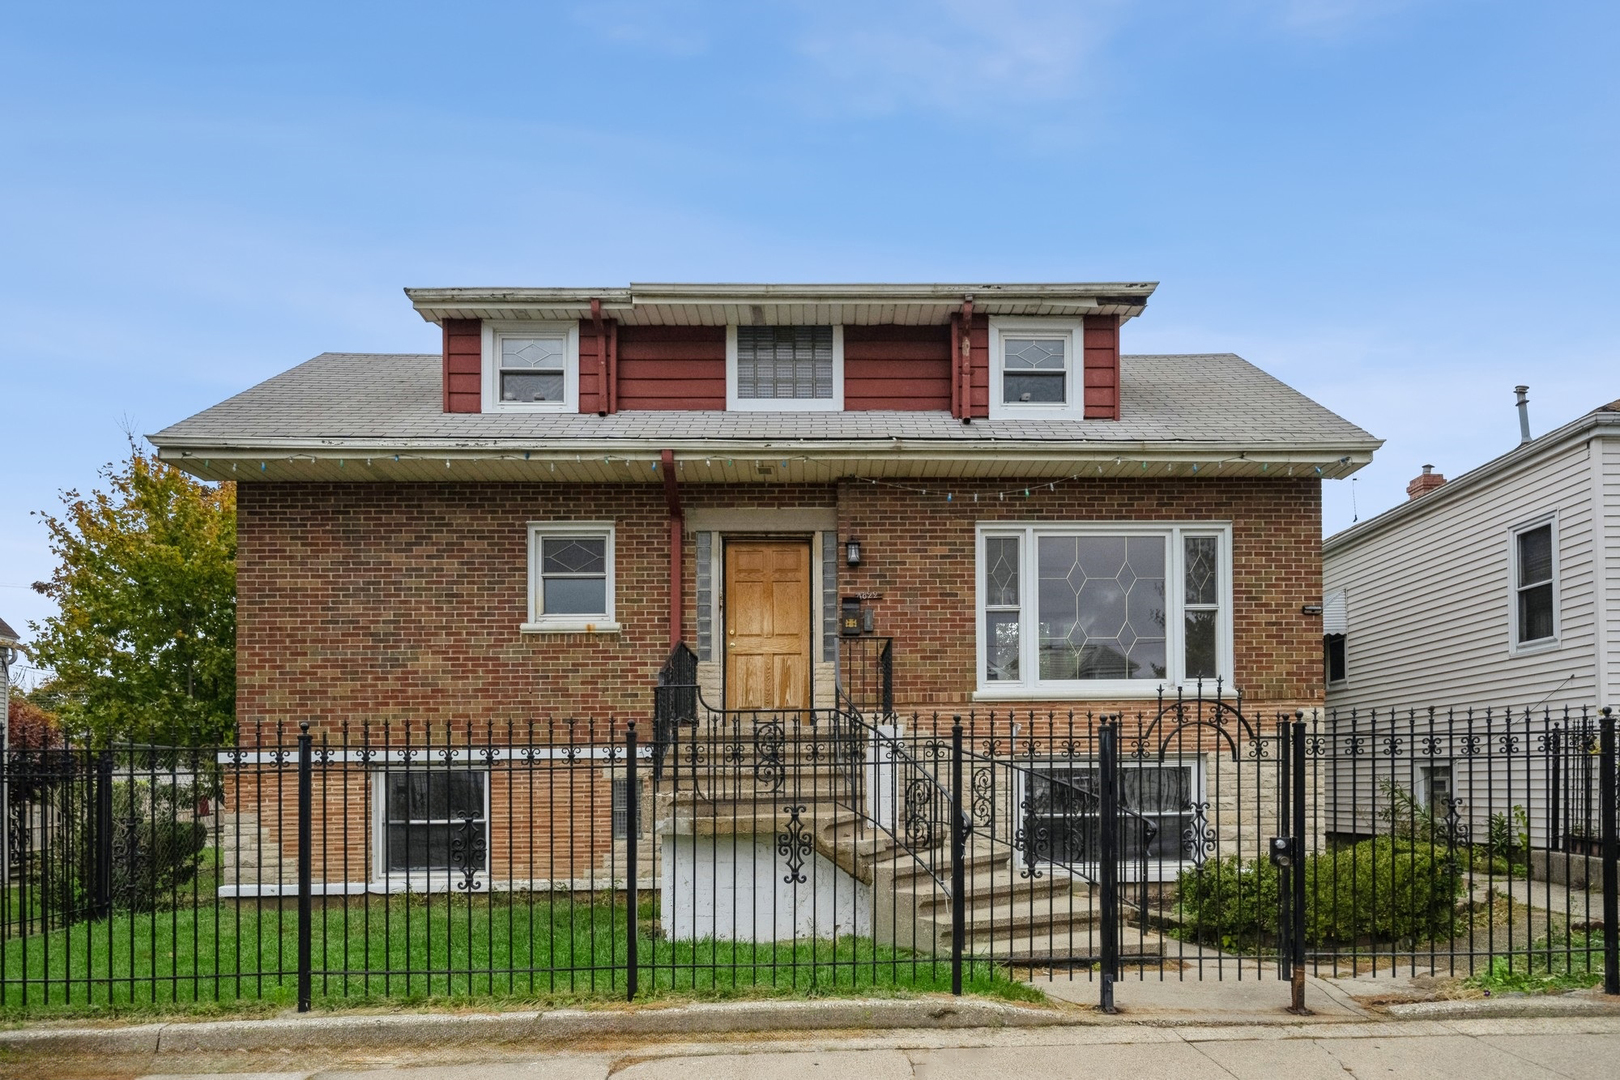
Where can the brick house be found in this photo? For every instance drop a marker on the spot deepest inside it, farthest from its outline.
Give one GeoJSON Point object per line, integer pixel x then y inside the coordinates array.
{"type": "Point", "coordinates": [521, 526]}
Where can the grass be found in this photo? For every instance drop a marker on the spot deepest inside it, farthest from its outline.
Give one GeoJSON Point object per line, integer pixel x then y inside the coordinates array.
{"type": "Point", "coordinates": [416, 950]}
{"type": "Point", "coordinates": [1551, 966]}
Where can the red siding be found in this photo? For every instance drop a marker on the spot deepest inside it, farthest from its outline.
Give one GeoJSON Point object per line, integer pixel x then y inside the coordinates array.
{"type": "Point", "coordinates": [463, 366]}
{"type": "Point", "coordinates": [591, 398]}
{"type": "Point", "coordinates": [897, 367]}
{"type": "Point", "coordinates": [1102, 367]}
{"type": "Point", "coordinates": [670, 367]}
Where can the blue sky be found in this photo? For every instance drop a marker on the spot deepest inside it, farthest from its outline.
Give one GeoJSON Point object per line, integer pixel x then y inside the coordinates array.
{"type": "Point", "coordinates": [1401, 208]}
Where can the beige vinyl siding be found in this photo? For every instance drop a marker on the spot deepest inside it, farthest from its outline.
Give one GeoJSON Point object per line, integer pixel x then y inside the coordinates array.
{"type": "Point", "coordinates": [1430, 598]}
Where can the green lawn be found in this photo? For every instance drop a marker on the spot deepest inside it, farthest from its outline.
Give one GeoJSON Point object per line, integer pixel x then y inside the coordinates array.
{"type": "Point", "coordinates": [1551, 966]}
{"type": "Point", "coordinates": [224, 957]}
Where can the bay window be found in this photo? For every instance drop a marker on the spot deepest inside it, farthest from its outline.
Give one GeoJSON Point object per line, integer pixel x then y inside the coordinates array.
{"type": "Point", "coordinates": [1102, 609]}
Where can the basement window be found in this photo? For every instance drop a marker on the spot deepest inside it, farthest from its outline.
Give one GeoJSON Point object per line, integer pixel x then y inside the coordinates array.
{"type": "Point", "coordinates": [1063, 814]}
{"type": "Point", "coordinates": [434, 825]}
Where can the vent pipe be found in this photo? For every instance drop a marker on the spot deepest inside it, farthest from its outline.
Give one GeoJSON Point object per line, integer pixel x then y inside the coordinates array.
{"type": "Point", "coordinates": [1524, 413]}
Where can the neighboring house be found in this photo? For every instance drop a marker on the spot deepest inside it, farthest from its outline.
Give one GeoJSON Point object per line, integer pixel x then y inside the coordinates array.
{"type": "Point", "coordinates": [520, 528]}
{"type": "Point", "coordinates": [9, 644]}
{"type": "Point", "coordinates": [1493, 592]}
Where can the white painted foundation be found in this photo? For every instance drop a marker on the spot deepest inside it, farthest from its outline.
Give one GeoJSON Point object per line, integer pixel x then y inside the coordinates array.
{"type": "Point", "coordinates": [732, 888]}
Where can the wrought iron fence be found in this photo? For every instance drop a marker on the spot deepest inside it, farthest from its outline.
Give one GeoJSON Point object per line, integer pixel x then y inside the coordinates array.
{"type": "Point", "coordinates": [809, 849]}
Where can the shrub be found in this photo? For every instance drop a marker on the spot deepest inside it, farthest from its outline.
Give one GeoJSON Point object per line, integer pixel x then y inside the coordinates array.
{"type": "Point", "coordinates": [1380, 889]}
{"type": "Point", "coordinates": [1229, 902]}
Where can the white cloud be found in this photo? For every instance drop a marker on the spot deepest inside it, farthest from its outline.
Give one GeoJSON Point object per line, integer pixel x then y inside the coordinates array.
{"type": "Point", "coordinates": [951, 55]}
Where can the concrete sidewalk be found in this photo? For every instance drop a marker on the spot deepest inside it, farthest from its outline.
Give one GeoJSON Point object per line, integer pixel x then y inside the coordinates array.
{"type": "Point", "coordinates": [1576, 1048]}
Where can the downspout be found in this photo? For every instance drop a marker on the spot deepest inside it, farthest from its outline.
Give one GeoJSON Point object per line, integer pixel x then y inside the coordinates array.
{"type": "Point", "coordinates": [966, 347]}
{"type": "Point", "coordinates": [677, 529]}
{"type": "Point", "coordinates": [601, 358]}
{"type": "Point", "coordinates": [613, 365]}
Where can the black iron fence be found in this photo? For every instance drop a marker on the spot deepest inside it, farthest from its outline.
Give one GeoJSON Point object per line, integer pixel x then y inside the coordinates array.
{"type": "Point", "coordinates": [798, 850]}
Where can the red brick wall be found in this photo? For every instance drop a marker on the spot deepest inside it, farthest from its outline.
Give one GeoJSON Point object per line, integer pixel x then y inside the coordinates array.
{"type": "Point", "coordinates": [372, 602]}
{"type": "Point", "coordinates": [918, 551]}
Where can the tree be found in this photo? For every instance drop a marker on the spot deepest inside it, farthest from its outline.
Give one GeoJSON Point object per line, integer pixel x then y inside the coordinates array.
{"type": "Point", "coordinates": [143, 647]}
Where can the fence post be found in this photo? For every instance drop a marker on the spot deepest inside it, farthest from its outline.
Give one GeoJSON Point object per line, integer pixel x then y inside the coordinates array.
{"type": "Point", "coordinates": [104, 835]}
{"type": "Point", "coordinates": [1286, 922]}
{"type": "Point", "coordinates": [1108, 858]}
{"type": "Point", "coordinates": [632, 826]}
{"type": "Point", "coordinates": [1611, 873]}
{"type": "Point", "coordinates": [1297, 937]}
{"type": "Point", "coordinates": [305, 930]}
{"type": "Point", "coordinates": [958, 858]}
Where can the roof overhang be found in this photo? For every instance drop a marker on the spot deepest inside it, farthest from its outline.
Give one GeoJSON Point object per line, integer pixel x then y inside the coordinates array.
{"type": "Point", "coordinates": [788, 305]}
{"type": "Point", "coordinates": [757, 461]}
{"type": "Point", "coordinates": [1600, 423]}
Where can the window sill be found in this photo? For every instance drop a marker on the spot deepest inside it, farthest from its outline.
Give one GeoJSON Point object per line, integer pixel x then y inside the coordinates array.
{"type": "Point", "coordinates": [571, 626]}
{"type": "Point", "coordinates": [1531, 648]}
{"type": "Point", "coordinates": [1063, 693]}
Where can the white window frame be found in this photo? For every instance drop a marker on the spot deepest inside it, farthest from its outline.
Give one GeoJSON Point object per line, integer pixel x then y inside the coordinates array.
{"type": "Point", "coordinates": [1030, 686]}
{"type": "Point", "coordinates": [421, 880]}
{"type": "Point", "coordinates": [541, 623]}
{"type": "Point", "coordinates": [1515, 646]}
{"type": "Point", "coordinates": [1074, 405]}
{"type": "Point", "coordinates": [493, 332]}
{"type": "Point", "coordinates": [835, 403]}
{"type": "Point", "coordinates": [1157, 869]}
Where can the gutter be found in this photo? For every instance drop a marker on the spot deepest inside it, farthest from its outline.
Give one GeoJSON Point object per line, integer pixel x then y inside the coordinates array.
{"type": "Point", "coordinates": [677, 531]}
{"type": "Point", "coordinates": [1523, 455]}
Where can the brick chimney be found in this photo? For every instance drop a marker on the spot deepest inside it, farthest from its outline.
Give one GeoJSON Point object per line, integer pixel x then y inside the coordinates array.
{"type": "Point", "coordinates": [1424, 484]}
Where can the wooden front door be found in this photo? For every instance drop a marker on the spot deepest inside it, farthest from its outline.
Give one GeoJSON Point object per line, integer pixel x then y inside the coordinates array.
{"type": "Point", "coordinates": [767, 631]}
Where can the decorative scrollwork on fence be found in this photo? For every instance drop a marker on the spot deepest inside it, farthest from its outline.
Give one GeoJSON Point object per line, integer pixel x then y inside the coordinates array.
{"type": "Point", "coordinates": [1355, 745]}
{"type": "Point", "coordinates": [1508, 743]}
{"type": "Point", "coordinates": [1032, 836]}
{"type": "Point", "coordinates": [1315, 745]}
{"type": "Point", "coordinates": [1457, 832]}
{"type": "Point", "coordinates": [769, 737]}
{"type": "Point", "coordinates": [794, 844]}
{"type": "Point", "coordinates": [1470, 744]}
{"type": "Point", "coordinates": [917, 813]}
{"type": "Point", "coordinates": [1431, 745]}
{"type": "Point", "coordinates": [467, 849]}
{"type": "Point", "coordinates": [1392, 745]}
{"type": "Point", "coordinates": [129, 862]}
{"type": "Point", "coordinates": [983, 789]}
{"type": "Point", "coordinates": [1197, 839]}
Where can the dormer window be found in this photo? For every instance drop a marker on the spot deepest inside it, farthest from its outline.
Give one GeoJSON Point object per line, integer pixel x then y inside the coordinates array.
{"type": "Point", "coordinates": [785, 368]}
{"type": "Point", "coordinates": [1034, 365]}
{"type": "Point", "coordinates": [531, 367]}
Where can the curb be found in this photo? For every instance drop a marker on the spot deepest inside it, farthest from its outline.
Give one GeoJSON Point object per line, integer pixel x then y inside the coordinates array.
{"type": "Point", "coordinates": [1503, 1008]}
{"type": "Point", "coordinates": [439, 1030]}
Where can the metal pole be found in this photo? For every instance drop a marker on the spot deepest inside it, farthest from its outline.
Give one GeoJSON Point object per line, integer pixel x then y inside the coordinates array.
{"type": "Point", "coordinates": [1285, 872]}
{"type": "Point", "coordinates": [1297, 938]}
{"type": "Point", "coordinates": [958, 859]}
{"type": "Point", "coordinates": [104, 834]}
{"type": "Point", "coordinates": [1108, 857]}
{"type": "Point", "coordinates": [632, 825]}
{"type": "Point", "coordinates": [305, 928]}
{"type": "Point", "coordinates": [1611, 873]}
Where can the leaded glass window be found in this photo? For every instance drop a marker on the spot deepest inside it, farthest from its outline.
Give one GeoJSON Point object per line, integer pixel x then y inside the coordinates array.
{"type": "Point", "coordinates": [571, 575]}
{"type": "Point", "coordinates": [1137, 605]}
{"type": "Point", "coordinates": [532, 368]}
{"type": "Point", "coordinates": [1001, 609]}
{"type": "Point", "coordinates": [1102, 607]}
{"type": "Point", "coordinates": [1034, 370]}
{"type": "Point", "coordinates": [793, 362]}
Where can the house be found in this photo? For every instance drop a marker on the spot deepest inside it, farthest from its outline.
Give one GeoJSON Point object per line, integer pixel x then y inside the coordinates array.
{"type": "Point", "coordinates": [520, 528]}
{"type": "Point", "coordinates": [1481, 597]}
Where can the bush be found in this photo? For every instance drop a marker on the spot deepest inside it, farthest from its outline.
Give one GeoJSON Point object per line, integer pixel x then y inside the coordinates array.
{"type": "Point", "coordinates": [155, 850]}
{"type": "Point", "coordinates": [1229, 902]}
{"type": "Point", "coordinates": [1381, 889]}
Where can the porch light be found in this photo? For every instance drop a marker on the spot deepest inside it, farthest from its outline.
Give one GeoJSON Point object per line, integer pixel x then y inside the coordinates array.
{"type": "Point", "coordinates": [852, 552]}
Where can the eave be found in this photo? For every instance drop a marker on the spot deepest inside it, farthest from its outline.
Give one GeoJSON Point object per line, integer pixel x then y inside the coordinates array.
{"type": "Point", "coordinates": [756, 461]}
{"type": "Point", "coordinates": [662, 304]}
